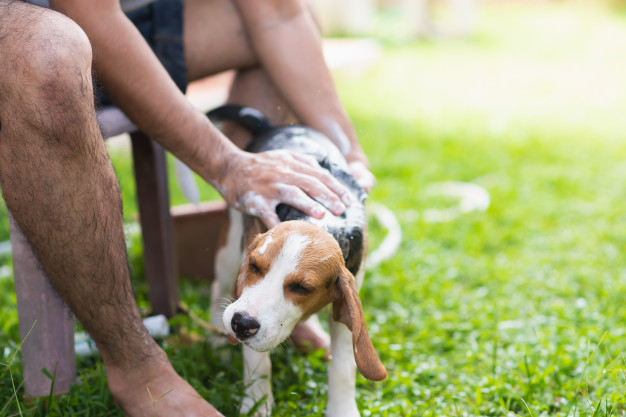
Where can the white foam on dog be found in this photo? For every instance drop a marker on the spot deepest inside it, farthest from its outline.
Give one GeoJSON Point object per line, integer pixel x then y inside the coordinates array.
{"type": "Point", "coordinates": [263, 248]}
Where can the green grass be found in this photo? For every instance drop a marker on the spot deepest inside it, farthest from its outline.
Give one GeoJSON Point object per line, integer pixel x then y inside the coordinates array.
{"type": "Point", "coordinates": [515, 311]}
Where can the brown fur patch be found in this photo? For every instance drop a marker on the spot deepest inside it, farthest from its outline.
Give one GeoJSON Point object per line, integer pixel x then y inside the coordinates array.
{"type": "Point", "coordinates": [320, 263]}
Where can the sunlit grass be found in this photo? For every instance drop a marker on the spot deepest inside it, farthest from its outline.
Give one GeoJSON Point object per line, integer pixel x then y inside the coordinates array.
{"type": "Point", "coordinates": [518, 308]}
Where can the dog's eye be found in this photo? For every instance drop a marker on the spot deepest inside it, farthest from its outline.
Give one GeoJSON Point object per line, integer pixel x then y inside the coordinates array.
{"type": "Point", "coordinates": [298, 288]}
{"type": "Point", "coordinates": [254, 268]}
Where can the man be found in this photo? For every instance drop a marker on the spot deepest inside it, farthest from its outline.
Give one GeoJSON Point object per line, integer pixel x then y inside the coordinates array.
{"type": "Point", "coordinates": [57, 179]}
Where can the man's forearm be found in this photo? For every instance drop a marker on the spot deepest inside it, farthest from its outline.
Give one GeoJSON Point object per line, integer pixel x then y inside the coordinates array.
{"type": "Point", "coordinates": [137, 82]}
{"type": "Point", "coordinates": [140, 86]}
{"type": "Point", "coordinates": [288, 44]}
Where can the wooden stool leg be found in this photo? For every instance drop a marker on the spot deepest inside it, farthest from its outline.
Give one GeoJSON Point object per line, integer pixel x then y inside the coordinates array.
{"type": "Point", "coordinates": [197, 231]}
{"type": "Point", "coordinates": [156, 223]}
{"type": "Point", "coordinates": [50, 343]}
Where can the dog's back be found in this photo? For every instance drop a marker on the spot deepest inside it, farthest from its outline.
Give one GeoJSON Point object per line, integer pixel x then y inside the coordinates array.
{"type": "Point", "coordinates": [349, 228]}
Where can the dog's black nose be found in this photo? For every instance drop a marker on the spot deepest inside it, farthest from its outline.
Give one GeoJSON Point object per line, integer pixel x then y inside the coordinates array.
{"type": "Point", "coordinates": [244, 326]}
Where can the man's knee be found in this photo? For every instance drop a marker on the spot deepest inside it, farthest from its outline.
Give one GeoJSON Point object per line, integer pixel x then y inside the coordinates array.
{"type": "Point", "coordinates": [46, 56]}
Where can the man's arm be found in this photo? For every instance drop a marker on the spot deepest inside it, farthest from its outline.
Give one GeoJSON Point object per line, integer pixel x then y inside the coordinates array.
{"type": "Point", "coordinates": [288, 44]}
{"type": "Point", "coordinates": [140, 86]}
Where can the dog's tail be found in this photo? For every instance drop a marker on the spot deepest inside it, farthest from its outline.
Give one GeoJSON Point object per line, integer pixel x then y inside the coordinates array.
{"type": "Point", "coordinates": [247, 117]}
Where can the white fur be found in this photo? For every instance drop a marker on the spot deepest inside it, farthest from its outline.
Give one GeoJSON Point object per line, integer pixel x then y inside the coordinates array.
{"type": "Point", "coordinates": [257, 377]}
{"type": "Point", "coordinates": [265, 301]}
{"type": "Point", "coordinates": [342, 369]}
{"type": "Point", "coordinates": [263, 248]}
{"type": "Point", "coordinates": [341, 373]}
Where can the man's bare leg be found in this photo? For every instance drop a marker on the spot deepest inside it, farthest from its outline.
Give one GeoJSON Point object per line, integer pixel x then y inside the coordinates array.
{"type": "Point", "coordinates": [60, 186]}
{"type": "Point", "coordinates": [216, 40]}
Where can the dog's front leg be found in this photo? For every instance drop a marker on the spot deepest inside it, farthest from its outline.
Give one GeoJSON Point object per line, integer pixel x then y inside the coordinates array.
{"type": "Point", "coordinates": [257, 375]}
{"type": "Point", "coordinates": [341, 373]}
{"type": "Point", "coordinates": [342, 369]}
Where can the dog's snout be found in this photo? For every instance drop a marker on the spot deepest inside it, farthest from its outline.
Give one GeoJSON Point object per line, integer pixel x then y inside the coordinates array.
{"type": "Point", "coordinates": [244, 326]}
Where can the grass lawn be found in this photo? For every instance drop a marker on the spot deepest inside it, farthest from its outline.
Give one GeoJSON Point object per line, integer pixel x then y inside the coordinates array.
{"type": "Point", "coordinates": [518, 310]}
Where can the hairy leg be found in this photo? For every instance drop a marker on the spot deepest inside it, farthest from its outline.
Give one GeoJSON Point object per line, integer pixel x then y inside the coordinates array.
{"type": "Point", "coordinates": [60, 186]}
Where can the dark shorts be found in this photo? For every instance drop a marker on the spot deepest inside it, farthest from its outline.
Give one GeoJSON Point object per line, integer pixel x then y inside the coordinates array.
{"type": "Point", "coordinates": [161, 24]}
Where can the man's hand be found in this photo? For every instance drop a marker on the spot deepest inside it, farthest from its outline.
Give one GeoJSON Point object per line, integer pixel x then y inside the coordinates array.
{"type": "Point", "coordinates": [359, 167]}
{"type": "Point", "coordinates": [362, 175]}
{"type": "Point", "coordinates": [257, 183]}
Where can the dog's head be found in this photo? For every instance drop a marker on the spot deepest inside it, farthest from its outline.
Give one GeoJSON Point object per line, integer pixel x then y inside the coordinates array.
{"type": "Point", "coordinates": [289, 273]}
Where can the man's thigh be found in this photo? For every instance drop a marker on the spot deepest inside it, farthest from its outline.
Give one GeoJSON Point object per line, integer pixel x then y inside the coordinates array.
{"type": "Point", "coordinates": [215, 38]}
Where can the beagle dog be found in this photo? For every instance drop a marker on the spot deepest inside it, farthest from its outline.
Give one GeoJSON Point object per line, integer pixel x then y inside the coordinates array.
{"type": "Point", "coordinates": [290, 272]}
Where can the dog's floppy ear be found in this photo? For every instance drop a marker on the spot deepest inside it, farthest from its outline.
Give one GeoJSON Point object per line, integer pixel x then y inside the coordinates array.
{"type": "Point", "coordinates": [347, 310]}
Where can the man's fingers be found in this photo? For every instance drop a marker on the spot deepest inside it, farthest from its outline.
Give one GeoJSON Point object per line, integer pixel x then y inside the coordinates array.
{"type": "Point", "coordinates": [307, 165]}
{"type": "Point", "coordinates": [318, 191]}
{"type": "Point", "coordinates": [329, 183]}
{"type": "Point", "coordinates": [363, 175]}
{"type": "Point", "coordinates": [295, 197]}
{"type": "Point", "coordinates": [256, 205]}
{"type": "Point", "coordinates": [339, 189]}
{"type": "Point", "coordinates": [270, 218]}
{"type": "Point", "coordinates": [307, 159]}
{"type": "Point", "coordinates": [284, 177]}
